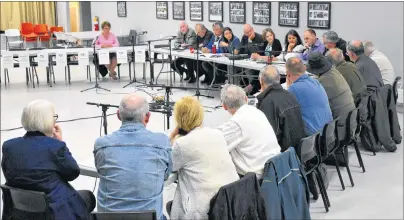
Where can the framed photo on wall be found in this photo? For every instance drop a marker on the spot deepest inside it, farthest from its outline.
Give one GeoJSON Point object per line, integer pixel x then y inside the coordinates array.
{"type": "Point", "coordinates": [196, 11]}
{"type": "Point", "coordinates": [162, 10]}
{"type": "Point", "coordinates": [262, 13]}
{"type": "Point", "coordinates": [237, 12]}
{"type": "Point", "coordinates": [121, 9]}
{"type": "Point", "coordinates": [288, 14]}
{"type": "Point", "coordinates": [179, 10]}
{"type": "Point", "coordinates": [216, 11]}
{"type": "Point", "coordinates": [319, 15]}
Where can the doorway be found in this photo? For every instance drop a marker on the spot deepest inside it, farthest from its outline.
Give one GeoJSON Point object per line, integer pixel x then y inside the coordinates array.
{"type": "Point", "coordinates": [75, 16]}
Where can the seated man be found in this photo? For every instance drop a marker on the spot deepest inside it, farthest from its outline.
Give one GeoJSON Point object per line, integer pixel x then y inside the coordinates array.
{"type": "Point", "coordinates": [386, 69]}
{"type": "Point", "coordinates": [132, 162]}
{"type": "Point", "coordinates": [249, 136]}
{"type": "Point", "coordinates": [281, 109]}
{"type": "Point", "coordinates": [202, 39]}
{"type": "Point", "coordinates": [331, 41]}
{"type": "Point", "coordinates": [365, 65]}
{"type": "Point", "coordinates": [310, 95]}
{"type": "Point", "coordinates": [338, 92]}
{"type": "Point", "coordinates": [348, 71]}
{"type": "Point", "coordinates": [312, 44]}
{"type": "Point", "coordinates": [186, 38]}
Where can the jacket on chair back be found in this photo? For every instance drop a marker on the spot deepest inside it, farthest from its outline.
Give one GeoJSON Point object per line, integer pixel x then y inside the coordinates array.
{"type": "Point", "coordinates": [284, 187]}
{"type": "Point", "coordinates": [388, 97]}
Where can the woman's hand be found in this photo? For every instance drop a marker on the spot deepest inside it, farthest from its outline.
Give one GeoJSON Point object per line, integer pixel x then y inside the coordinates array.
{"type": "Point", "coordinates": [205, 50]}
{"type": "Point", "coordinates": [57, 132]}
{"type": "Point", "coordinates": [223, 44]}
{"type": "Point", "coordinates": [255, 56]}
{"type": "Point", "coordinates": [291, 46]}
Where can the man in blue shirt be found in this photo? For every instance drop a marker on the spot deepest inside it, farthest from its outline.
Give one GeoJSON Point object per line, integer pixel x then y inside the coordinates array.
{"type": "Point", "coordinates": [132, 162]}
{"type": "Point", "coordinates": [312, 44]}
{"type": "Point", "coordinates": [310, 95]}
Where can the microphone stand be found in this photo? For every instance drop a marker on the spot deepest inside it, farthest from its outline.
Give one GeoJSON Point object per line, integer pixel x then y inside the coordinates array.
{"type": "Point", "coordinates": [197, 92]}
{"type": "Point", "coordinates": [104, 108]}
{"type": "Point", "coordinates": [170, 60]}
{"type": "Point", "coordinates": [134, 65]}
{"type": "Point", "coordinates": [97, 61]}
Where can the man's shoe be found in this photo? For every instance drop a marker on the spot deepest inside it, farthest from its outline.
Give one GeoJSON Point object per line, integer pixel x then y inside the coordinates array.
{"type": "Point", "coordinates": [192, 80]}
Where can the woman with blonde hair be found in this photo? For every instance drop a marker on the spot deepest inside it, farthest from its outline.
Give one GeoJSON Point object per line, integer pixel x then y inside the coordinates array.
{"type": "Point", "coordinates": [201, 158]}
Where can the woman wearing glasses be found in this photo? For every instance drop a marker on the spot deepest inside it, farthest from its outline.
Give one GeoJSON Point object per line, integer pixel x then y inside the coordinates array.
{"type": "Point", "coordinates": [40, 161]}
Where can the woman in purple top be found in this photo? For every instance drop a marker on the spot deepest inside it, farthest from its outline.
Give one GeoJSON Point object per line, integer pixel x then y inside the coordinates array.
{"type": "Point", "coordinates": [107, 40]}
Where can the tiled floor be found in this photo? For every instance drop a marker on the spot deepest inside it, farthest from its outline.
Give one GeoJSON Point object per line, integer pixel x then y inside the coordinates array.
{"type": "Point", "coordinates": [378, 193]}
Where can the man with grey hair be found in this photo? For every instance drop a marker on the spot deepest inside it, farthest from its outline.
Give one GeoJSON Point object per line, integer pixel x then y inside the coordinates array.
{"type": "Point", "coordinates": [130, 159]}
{"type": "Point", "coordinates": [281, 109]}
{"type": "Point", "coordinates": [250, 137]}
{"type": "Point", "coordinates": [366, 66]}
{"type": "Point", "coordinates": [349, 72]}
{"type": "Point", "coordinates": [384, 64]}
{"type": "Point", "coordinates": [203, 37]}
{"type": "Point", "coordinates": [331, 40]}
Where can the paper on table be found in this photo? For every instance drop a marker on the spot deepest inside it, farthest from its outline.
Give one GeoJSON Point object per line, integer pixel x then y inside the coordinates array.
{"type": "Point", "coordinates": [121, 56]}
{"type": "Point", "coordinates": [140, 55]}
{"type": "Point", "coordinates": [61, 58]}
{"type": "Point", "coordinates": [8, 61]}
{"type": "Point", "coordinates": [83, 58]}
{"type": "Point", "coordinates": [103, 56]}
{"type": "Point", "coordinates": [24, 60]}
{"type": "Point", "coordinates": [43, 59]}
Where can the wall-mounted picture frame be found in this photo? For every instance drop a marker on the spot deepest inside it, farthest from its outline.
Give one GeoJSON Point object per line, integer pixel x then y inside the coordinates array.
{"type": "Point", "coordinates": [162, 10]}
{"type": "Point", "coordinates": [237, 12]}
{"type": "Point", "coordinates": [319, 15]}
{"type": "Point", "coordinates": [216, 11]}
{"type": "Point", "coordinates": [121, 9]}
{"type": "Point", "coordinates": [288, 14]}
{"type": "Point", "coordinates": [196, 11]}
{"type": "Point", "coordinates": [179, 10]}
{"type": "Point", "coordinates": [262, 13]}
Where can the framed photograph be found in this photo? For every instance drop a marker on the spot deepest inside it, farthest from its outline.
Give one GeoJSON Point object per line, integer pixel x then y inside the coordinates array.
{"type": "Point", "coordinates": [237, 12]}
{"type": "Point", "coordinates": [121, 9]}
{"type": "Point", "coordinates": [179, 10]}
{"type": "Point", "coordinates": [288, 14]}
{"type": "Point", "coordinates": [216, 11]}
{"type": "Point", "coordinates": [319, 15]}
{"type": "Point", "coordinates": [196, 11]}
{"type": "Point", "coordinates": [262, 13]}
{"type": "Point", "coordinates": [162, 10]}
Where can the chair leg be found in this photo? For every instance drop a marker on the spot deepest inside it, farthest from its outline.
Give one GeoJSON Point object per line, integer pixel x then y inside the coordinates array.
{"type": "Point", "coordinates": [8, 77]}
{"type": "Point", "coordinates": [323, 191]}
{"type": "Point", "coordinates": [36, 75]}
{"type": "Point", "coordinates": [32, 77]}
{"type": "Point", "coordinates": [347, 168]}
{"type": "Point", "coordinates": [65, 73]}
{"type": "Point", "coordinates": [68, 73]}
{"type": "Point", "coordinates": [130, 71]}
{"type": "Point", "coordinates": [119, 72]}
{"type": "Point", "coordinates": [358, 154]}
{"type": "Point", "coordinates": [339, 172]}
{"type": "Point", "coordinates": [27, 75]}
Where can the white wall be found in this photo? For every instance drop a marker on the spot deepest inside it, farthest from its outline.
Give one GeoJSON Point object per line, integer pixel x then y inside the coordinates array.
{"type": "Point", "coordinates": [63, 15]}
{"type": "Point", "coordinates": [381, 22]}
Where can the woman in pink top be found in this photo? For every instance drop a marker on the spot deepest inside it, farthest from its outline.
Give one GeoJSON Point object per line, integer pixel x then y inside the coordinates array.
{"type": "Point", "coordinates": [107, 40]}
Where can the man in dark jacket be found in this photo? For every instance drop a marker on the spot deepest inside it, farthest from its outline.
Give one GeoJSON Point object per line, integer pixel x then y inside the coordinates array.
{"type": "Point", "coordinates": [203, 36]}
{"type": "Point", "coordinates": [331, 40]}
{"type": "Point", "coordinates": [349, 72]}
{"type": "Point", "coordinates": [365, 65]}
{"type": "Point", "coordinates": [281, 109]}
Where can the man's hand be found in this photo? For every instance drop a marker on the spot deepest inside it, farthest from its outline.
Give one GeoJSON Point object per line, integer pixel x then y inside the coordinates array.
{"type": "Point", "coordinates": [205, 50]}
{"type": "Point", "coordinates": [306, 45]}
{"type": "Point", "coordinates": [184, 45]}
{"type": "Point", "coordinates": [235, 51]}
{"type": "Point", "coordinates": [57, 132]}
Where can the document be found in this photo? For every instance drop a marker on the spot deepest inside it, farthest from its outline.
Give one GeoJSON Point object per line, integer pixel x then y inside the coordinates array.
{"type": "Point", "coordinates": [61, 58]}
{"type": "Point", "coordinates": [140, 55]}
{"type": "Point", "coordinates": [43, 59]}
{"type": "Point", "coordinates": [122, 56]}
{"type": "Point", "coordinates": [24, 60]}
{"type": "Point", "coordinates": [103, 57]}
{"type": "Point", "coordinates": [7, 61]}
{"type": "Point", "coordinates": [83, 58]}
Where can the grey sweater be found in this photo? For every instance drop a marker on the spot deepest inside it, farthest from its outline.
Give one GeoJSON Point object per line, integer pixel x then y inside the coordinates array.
{"type": "Point", "coordinates": [188, 38]}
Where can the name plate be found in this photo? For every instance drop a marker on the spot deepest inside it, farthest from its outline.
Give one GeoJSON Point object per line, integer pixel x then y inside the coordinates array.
{"type": "Point", "coordinates": [43, 59]}
{"type": "Point", "coordinates": [140, 55]}
{"type": "Point", "coordinates": [103, 57]}
{"type": "Point", "coordinates": [7, 61]}
{"type": "Point", "coordinates": [122, 56]}
{"type": "Point", "coordinates": [61, 58]}
{"type": "Point", "coordinates": [24, 60]}
{"type": "Point", "coordinates": [83, 58]}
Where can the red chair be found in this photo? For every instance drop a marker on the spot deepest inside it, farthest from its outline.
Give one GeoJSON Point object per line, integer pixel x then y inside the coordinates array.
{"type": "Point", "coordinates": [27, 32]}
{"type": "Point", "coordinates": [43, 33]}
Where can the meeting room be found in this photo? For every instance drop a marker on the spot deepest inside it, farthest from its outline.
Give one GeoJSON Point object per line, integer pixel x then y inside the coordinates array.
{"type": "Point", "coordinates": [219, 110]}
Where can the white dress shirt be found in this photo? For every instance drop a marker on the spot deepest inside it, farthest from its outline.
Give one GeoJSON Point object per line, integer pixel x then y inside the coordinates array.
{"type": "Point", "coordinates": [386, 69]}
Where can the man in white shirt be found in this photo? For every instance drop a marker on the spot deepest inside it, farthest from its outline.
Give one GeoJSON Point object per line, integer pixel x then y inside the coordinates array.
{"type": "Point", "coordinates": [386, 69]}
{"type": "Point", "coordinates": [250, 138]}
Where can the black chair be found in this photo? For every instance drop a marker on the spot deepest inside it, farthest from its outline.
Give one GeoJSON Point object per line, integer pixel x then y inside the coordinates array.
{"type": "Point", "coordinates": [29, 202]}
{"type": "Point", "coordinates": [159, 60]}
{"type": "Point", "coordinates": [143, 215]}
{"type": "Point", "coordinates": [307, 153]}
{"type": "Point", "coordinates": [395, 88]}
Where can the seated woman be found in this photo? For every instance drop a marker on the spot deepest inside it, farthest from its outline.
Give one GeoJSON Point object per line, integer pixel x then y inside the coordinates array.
{"type": "Point", "coordinates": [40, 161]}
{"type": "Point", "coordinates": [230, 42]}
{"type": "Point", "coordinates": [272, 46]}
{"type": "Point", "coordinates": [202, 160]}
{"type": "Point", "coordinates": [106, 40]}
{"type": "Point", "coordinates": [293, 46]}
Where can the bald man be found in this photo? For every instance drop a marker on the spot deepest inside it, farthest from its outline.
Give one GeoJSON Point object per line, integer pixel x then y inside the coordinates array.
{"type": "Point", "coordinates": [130, 159]}
{"type": "Point", "coordinates": [281, 109]}
{"type": "Point", "coordinates": [186, 38]}
{"type": "Point", "coordinates": [365, 65]}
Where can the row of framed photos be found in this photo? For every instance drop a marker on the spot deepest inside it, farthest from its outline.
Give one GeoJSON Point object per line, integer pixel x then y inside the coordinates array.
{"type": "Point", "coordinates": [319, 13]}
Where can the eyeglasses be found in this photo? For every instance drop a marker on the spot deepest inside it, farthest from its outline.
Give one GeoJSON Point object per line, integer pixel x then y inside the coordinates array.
{"type": "Point", "coordinates": [56, 116]}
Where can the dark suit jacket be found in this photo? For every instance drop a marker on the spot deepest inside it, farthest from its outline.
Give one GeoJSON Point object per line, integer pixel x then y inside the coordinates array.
{"type": "Point", "coordinates": [245, 48]}
{"type": "Point", "coordinates": [283, 113]}
{"type": "Point", "coordinates": [369, 71]}
{"type": "Point", "coordinates": [40, 163]}
{"type": "Point", "coordinates": [276, 47]}
{"type": "Point", "coordinates": [205, 39]}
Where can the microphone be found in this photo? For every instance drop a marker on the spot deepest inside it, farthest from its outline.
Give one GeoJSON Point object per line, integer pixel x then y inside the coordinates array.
{"type": "Point", "coordinates": [95, 40]}
{"type": "Point", "coordinates": [103, 105]}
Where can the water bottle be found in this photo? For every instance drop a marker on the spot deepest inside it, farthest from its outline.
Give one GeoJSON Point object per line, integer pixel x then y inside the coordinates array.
{"type": "Point", "coordinates": [214, 49]}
